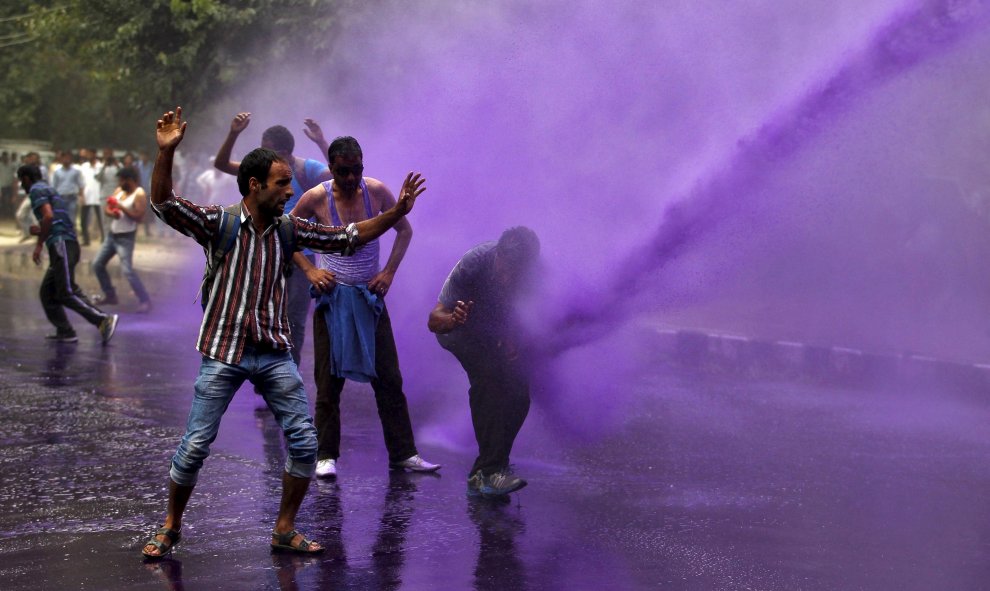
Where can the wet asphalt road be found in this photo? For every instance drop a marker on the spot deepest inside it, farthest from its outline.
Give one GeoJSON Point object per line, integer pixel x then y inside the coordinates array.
{"type": "Point", "coordinates": [708, 478]}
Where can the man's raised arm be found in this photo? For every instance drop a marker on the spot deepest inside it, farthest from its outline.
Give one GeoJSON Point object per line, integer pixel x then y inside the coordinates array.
{"type": "Point", "coordinates": [372, 228]}
{"type": "Point", "coordinates": [169, 132]}
{"type": "Point", "coordinates": [222, 161]}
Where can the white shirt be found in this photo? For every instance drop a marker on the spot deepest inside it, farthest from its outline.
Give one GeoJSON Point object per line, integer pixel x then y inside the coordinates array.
{"type": "Point", "coordinates": [91, 194]}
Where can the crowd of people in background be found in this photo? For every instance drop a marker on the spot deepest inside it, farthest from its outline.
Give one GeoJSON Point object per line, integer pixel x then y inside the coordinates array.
{"type": "Point", "coordinates": [94, 174]}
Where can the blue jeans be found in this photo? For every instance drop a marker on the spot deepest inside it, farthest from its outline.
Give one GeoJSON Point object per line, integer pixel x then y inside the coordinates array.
{"type": "Point", "coordinates": [277, 379]}
{"type": "Point", "coordinates": [71, 207]}
{"type": "Point", "coordinates": [121, 245]}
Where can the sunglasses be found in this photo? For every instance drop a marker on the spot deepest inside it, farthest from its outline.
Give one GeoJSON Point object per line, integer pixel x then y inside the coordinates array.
{"type": "Point", "coordinates": [343, 171]}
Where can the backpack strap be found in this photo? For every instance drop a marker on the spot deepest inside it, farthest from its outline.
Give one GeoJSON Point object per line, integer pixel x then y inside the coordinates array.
{"type": "Point", "coordinates": [222, 243]}
{"type": "Point", "coordinates": [225, 239]}
{"type": "Point", "coordinates": [287, 237]}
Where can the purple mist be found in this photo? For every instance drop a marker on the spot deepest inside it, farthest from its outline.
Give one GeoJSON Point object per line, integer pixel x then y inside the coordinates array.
{"type": "Point", "coordinates": [810, 171]}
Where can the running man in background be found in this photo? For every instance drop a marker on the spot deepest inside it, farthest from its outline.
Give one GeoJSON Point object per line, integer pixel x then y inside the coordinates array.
{"type": "Point", "coordinates": [125, 208]}
{"type": "Point", "coordinates": [58, 287]}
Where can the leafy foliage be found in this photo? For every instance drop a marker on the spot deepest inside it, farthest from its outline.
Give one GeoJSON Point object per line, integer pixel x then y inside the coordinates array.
{"type": "Point", "coordinates": [93, 72]}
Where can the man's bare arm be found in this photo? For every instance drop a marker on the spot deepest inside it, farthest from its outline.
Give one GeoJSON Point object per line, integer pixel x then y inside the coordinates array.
{"type": "Point", "coordinates": [222, 160]}
{"type": "Point", "coordinates": [382, 281]}
{"type": "Point", "coordinates": [443, 320]}
{"type": "Point", "coordinates": [321, 279]}
{"type": "Point", "coordinates": [315, 133]}
{"type": "Point", "coordinates": [169, 132]}
{"type": "Point", "coordinates": [312, 205]}
{"type": "Point", "coordinates": [412, 187]}
{"type": "Point", "coordinates": [137, 208]}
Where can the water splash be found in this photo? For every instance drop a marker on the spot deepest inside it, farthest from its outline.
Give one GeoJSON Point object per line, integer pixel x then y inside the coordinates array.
{"type": "Point", "coordinates": [908, 40]}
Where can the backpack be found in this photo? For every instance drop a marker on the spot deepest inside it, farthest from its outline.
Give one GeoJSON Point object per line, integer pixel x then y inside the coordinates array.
{"type": "Point", "coordinates": [225, 238]}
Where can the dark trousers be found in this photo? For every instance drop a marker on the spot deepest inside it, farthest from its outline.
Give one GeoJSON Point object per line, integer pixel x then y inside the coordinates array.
{"type": "Point", "coordinates": [499, 400]}
{"type": "Point", "coordinates": [59, 289]}
{"type": "Point", "coordinates": [297, 308]}
{"type": "Point", "coordinates": [96, 212]}
{"type": "Point", "coordinates": [392, 408]}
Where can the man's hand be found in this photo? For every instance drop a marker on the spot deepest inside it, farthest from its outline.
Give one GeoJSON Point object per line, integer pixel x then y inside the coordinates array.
{"type": "Point", "coordinates": [35, 230]}
{"type": "Point", "coordinates": [412, 188]}
{"type": "Point", "coordinates": [36, 255]}
{"type": "Point", "coordinates": [170, 130]}
{"type": "Point", "coordinates": [381, 282]}
{"type": "Point", "coordinates": [459, 316]}
{"type": "Point", "coordinates": [314, 132]}
{"type": "Point", "coordinates": [240, 122]}
{"type": "Point", "coordinates": [323, 281]}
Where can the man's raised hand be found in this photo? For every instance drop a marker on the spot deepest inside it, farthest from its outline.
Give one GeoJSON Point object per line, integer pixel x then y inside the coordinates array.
{"type": "Point", "coordinates": [313, 131]}
{"type": "Point", "coordinates": [412, 188]}
{"type": "Point", "coordinates": [240, 122]}
{"type": "Point", "coordinates": [170, 130]}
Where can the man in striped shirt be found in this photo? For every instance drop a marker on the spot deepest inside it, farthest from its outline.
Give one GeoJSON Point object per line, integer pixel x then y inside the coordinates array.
{"type": "Point", "coordinates": [245, 331]}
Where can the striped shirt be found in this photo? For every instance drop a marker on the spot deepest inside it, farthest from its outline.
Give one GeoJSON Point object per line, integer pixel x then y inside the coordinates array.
{"type": "Point", "coordinates": [247, 303]}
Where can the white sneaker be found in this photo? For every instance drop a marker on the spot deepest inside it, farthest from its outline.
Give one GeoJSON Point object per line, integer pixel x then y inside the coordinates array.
{"type": "Point", "coordinates": [326, 469]}
{"type": "Point", "coordinates": [416, 464]}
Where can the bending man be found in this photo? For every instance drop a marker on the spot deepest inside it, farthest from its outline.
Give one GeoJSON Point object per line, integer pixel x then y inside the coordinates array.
{"type": "Point", "coordinates": [475, 320]}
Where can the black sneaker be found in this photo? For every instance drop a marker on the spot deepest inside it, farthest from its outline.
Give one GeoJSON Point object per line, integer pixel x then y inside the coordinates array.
{"type": "Point", "coordinates": [62, 338]}
{"type": "Point", "coordinates": [107, 327]}
{"type": "Point", "coordinates": [502, 483]}
{"type": "Point", "coordinates": [474, 484]}
{"type": "Point", "coordinates": [497, 484]}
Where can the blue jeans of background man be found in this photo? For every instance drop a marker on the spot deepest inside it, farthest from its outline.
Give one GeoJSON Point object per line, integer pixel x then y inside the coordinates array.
{"type": "Point", "coordinates": [276, 378]}
{"type": "Point", "coordinates": [71, 207]}
{"type": "Point", "coordinates": [122, 245]}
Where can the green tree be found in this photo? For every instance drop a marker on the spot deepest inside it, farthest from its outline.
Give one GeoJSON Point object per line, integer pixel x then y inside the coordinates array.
{"type": "Point", "coordinates": [93, 72]}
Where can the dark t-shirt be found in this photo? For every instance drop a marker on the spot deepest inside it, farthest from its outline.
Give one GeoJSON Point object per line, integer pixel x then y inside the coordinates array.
{"type": "Point", "coordinates": [472, 279]}
{"type": "Point", "coordinates": [62, 227]}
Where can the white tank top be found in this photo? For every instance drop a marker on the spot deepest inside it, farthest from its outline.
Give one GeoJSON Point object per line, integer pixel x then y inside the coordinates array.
{"type": "Point", "coordinates": [124, 223]}
{"type": "Point", "coordinates": [363, 265]}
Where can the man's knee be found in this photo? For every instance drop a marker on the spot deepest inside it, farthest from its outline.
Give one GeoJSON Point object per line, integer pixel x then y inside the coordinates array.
{"type": "Point", "coordinates": [187, 462]}
{"type": "Point", "coordinates": [301, 443]}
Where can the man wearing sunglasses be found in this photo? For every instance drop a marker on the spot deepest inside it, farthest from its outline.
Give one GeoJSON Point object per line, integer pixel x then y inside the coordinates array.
{"type": "Point", "coordinates": [352, 332]}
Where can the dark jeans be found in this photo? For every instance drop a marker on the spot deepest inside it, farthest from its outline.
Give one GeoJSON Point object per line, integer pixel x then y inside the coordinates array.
{"type": "Point", "coordinates": [499, 399]}
{"type": "Point", "coordinates": [97, 214]}
{"type": "Point", "coordinates": [59, 289]}
{"type": "Point", "coordinates": [297, 309]}
{"type": "Point", "coordinates": [392, 408]}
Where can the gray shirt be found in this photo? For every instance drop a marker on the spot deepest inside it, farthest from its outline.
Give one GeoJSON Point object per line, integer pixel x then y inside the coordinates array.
{"type": "Point", "coordinates": [68, 181]}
